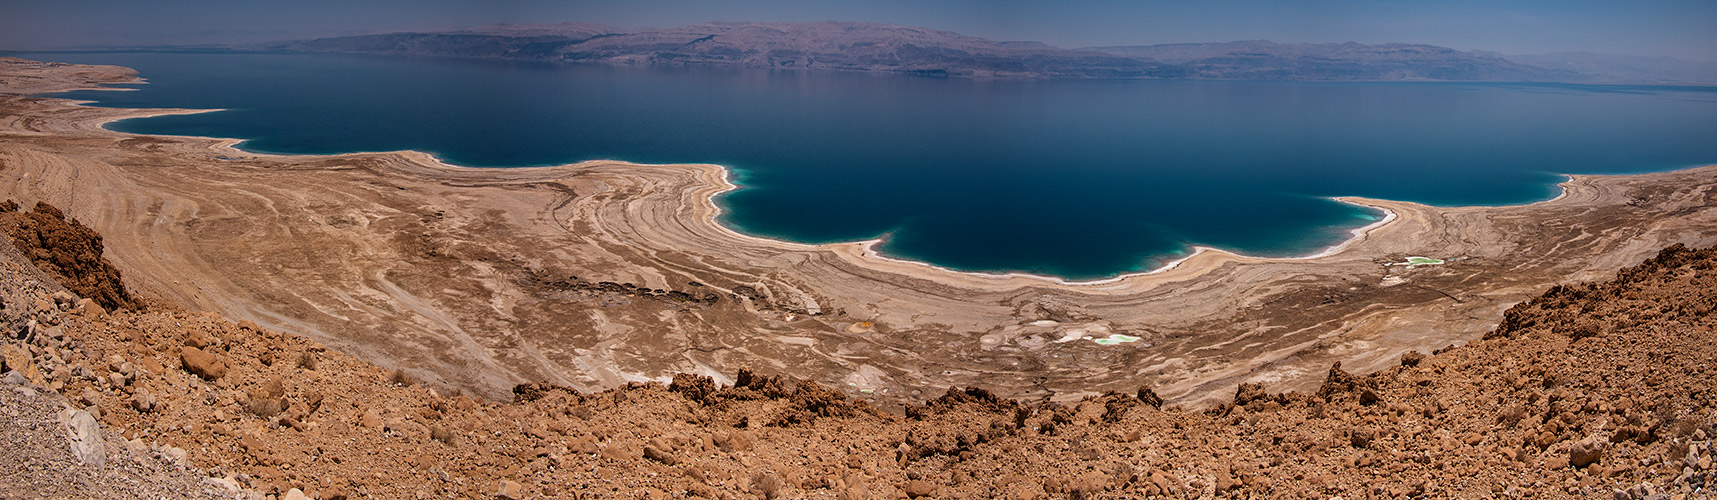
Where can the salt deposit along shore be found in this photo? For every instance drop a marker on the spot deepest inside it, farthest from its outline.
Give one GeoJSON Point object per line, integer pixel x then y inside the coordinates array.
{"type": "Point", "coordinates": [594, 274]}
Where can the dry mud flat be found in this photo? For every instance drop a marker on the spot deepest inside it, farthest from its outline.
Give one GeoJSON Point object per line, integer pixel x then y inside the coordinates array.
{"type": "Point", "coordinates": [596, 274]}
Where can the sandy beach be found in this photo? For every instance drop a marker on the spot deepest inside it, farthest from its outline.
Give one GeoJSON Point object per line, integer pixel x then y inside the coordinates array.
{"type": "Point", "coordinates": [595, 274]}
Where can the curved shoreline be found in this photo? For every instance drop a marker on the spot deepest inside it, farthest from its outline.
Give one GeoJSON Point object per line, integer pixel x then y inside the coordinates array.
{"type": "Point", "coordinates": [868, 246]}
{"type": "Point", "coordinates": [478, 278]}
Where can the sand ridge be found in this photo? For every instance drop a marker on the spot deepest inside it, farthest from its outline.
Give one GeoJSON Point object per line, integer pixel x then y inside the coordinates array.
{"type": "Point", "coordinates": [599, 273]}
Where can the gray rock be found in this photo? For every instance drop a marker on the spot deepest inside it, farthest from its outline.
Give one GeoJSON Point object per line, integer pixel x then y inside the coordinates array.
{"type": "Point", "coordinates": [14, 378]}
{"type": "Point", "coordinates": [86, 441]}
{"type": "Point", "coordinates": [177, 454]}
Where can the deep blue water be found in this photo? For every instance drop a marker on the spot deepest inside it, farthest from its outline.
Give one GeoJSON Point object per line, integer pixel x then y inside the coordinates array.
{"type": "Point", "coordinates": [1080, 179]}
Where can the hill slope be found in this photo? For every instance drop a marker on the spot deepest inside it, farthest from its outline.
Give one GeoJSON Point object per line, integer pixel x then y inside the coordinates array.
{"type": "Point", "coordinates": [1586, 389]}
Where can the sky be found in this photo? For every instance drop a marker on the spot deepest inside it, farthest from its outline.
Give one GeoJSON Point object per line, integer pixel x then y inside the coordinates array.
{"type": "Point", "coordinates": [1676, 28]}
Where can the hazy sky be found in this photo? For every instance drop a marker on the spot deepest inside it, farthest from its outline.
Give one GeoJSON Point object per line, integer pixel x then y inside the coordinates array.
{"type": "Point", "coordinates": [1682, 28]}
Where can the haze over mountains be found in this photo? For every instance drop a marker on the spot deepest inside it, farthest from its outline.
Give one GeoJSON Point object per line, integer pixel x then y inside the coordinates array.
{"type": "Point", "coordinates": [889, 48]}
{"type": "Point", "coordinates": [821, 45]}
{"type": "Point", "coordinates": [1266, 60]}
{"type": "Point", "coordinates": [1606, 67]}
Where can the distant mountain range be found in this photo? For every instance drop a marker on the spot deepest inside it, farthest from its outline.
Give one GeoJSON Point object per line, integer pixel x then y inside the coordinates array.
{"type": "Point", "coordinates": [1265, 60]}
{"type": "Point", "coordinates": [899, 49]}
{"type": "Point", "coordinates": [1614, 68]}
{"type": "Point", "coordinates": [821, 45]}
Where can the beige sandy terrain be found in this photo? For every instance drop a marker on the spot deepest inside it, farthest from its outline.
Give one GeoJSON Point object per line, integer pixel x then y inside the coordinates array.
{"type": "Point", "coordinates": [594, 274]}
{"type": "Point", "coordinates": [1590, 390]}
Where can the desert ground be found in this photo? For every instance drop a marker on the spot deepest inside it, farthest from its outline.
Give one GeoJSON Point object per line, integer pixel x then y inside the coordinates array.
{"type": "Point", "coordinates": [1588, 390]}
{"type": "Point", "coordinates": [597, 274]}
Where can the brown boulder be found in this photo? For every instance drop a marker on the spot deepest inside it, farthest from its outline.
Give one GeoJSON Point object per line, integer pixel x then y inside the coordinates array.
{"type": "Point", "coordinates": [767, 485]}
{"type": "Point", "coordinates": [1225, 480]}
{"type": "Point", "coordinates": [730, 442]}
{"type": "Point", "coordinates": [1089, 483]}
{"type": "Point", "coordinates": [619, 452]}
{"type": "Point", "coordinates": [1160, 482]}
{"type": "Point", "coordinates": [919, 489]}
{"type": "Point", "coordinates": [1360, 437]}
{"type": "Point", "coordinates": [584, 444]}
{"type": "Point", "coordinates": [695, 388]}
{"type": "Point", "coordinates": [509, 490]}
{"type": "Point", "coordinates": [525, 393]}
{"type": "Point", "coordinates": [659, 455]}
{"type": "Point", "coordinates": [1249, 393]}
{"type": "Point", "coordinates": [252, 445]}
{"type": "Point", "coordinates": [1150, 397]}
{"type": "Point", "coordinates": [88, 308]}
{"type": "Point", "coordinates": [1586, 451]}
{"type": "Point", "coordinates": [203, 364]}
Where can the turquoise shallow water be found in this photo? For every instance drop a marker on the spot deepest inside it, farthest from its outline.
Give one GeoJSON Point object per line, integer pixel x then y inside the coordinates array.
{"type": "Point", "coordinates": [1078, 179]}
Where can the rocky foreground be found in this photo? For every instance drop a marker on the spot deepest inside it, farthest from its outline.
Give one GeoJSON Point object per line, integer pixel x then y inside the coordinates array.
{"type": "Point", "coordinates": [1594, 390]}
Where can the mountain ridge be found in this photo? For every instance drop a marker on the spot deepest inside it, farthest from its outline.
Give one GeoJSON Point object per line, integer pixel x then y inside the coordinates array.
{"type": "Point", "coordinates": [1267, 60]}
{"type": "Point", "coordinates": [820, 45]}
{"type": "Point", "coordinates": [891, 48]}
{"type": "Point", "coordinates": [1624, 68]}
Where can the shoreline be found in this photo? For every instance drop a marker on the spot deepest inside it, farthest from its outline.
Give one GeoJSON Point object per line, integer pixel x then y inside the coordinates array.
{"type": "Point", "coordinates": [867, 246]}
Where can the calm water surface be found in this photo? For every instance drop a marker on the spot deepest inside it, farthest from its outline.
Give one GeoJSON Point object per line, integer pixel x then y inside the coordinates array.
{"type": "Point", "coordinates": [1079, 179]}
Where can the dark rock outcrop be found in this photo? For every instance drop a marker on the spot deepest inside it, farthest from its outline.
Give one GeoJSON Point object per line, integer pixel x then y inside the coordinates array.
{"type": "Point", "coordinates": [67, 249]}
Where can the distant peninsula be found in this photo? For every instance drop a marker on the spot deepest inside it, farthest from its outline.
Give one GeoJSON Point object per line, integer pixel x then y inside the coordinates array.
{"type": "Point", "coordinates": [887, 48]}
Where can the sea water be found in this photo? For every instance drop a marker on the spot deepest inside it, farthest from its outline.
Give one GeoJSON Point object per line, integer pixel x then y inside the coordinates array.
{"type": "Point", "coordinates": [1071, 178]}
